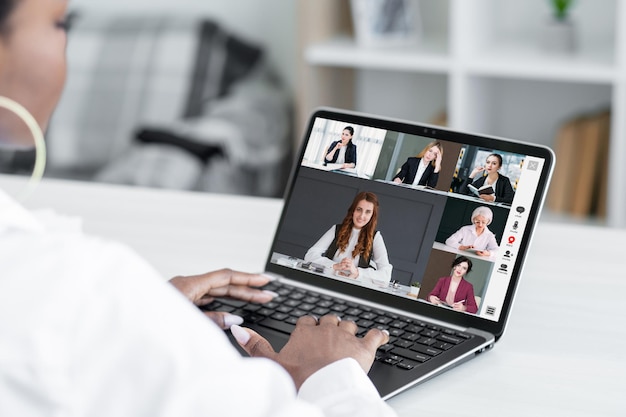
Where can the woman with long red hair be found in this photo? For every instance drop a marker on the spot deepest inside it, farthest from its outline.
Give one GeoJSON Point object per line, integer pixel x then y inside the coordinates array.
{"type": "Point", "coordinates": [354, 248]}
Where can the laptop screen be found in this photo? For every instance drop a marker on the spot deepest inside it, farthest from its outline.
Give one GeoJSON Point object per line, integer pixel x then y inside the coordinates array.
{"type": "Point", "coordinates": [412, 216]}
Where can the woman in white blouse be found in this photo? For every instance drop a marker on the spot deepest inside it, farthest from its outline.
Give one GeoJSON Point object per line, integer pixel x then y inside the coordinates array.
{"type": "Point", "coordinates": [354, 248]}
{"type": "Point", "coordinates": [90, 329]}
{"type": "Point", "coordinates": [476, 236]}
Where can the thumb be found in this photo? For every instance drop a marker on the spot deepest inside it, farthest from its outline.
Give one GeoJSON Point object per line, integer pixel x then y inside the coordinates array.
{"type": "Point", "coordinates": [222, 319]}
{"type": "Point", "coordinates": [253, 343]}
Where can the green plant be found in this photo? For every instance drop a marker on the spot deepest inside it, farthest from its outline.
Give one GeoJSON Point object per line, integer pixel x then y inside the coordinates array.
{"type": "Point", "coordinates": [416, 284]}
{"type": "Point", "coordinates": [561, 8]}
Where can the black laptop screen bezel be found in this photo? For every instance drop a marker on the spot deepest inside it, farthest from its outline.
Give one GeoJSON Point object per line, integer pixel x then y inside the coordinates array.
{"type": "Point", "coordinates": [439, 133]}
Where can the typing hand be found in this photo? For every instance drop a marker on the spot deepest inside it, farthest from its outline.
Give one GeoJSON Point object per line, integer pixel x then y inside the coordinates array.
{"type": "Point", "coordinates": [314, 344]}
{"type": "Point", "coordinates": [203, 289]}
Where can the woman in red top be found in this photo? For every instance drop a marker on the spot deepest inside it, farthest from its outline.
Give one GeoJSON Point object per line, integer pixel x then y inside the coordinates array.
{"type": "Point", "coordinates": [454, 291]}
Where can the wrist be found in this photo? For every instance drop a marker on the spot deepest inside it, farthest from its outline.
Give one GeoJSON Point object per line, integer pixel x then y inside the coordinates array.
{"type": "Point", "coordinates": [184, 285]}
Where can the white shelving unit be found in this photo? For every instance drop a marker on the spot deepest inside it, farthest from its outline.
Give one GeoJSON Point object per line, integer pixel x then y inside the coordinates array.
{"type": "Point", "coordinates": [481, 62]}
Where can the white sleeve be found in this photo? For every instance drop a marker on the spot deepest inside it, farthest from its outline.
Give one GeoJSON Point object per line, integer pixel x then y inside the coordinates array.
{"type": "Point", "coordinates": [382, 274]}
{"type": "Point", "coordinates": [492, 243]}
{"type": "Point", "coordinates": [142, 349]}
{"type": "Point", "coordinates": [316, 252]}
{"type": "Point", "coordinates": [343, 389]}
{"type": "Point", "coordinates": [455, 239]}
{"type": "Point", "coordinates": [107, 336]}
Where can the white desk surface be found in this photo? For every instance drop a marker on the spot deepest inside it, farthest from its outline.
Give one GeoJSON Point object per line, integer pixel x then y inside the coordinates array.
{"type": "Point", "coordinates": [563, 353]}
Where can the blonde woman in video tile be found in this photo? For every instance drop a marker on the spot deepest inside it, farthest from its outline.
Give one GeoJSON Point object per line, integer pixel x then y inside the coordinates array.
{"type": "Point", "coordinates": [422, 169]}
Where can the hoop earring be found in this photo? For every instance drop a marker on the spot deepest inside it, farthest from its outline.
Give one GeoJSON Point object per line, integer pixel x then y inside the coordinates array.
{"type": "Point", "coordinates": [40, 144]}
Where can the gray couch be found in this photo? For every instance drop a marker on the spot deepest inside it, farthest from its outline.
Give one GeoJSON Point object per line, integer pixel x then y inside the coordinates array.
{"type": "Point", "coordinates": [170, 101]}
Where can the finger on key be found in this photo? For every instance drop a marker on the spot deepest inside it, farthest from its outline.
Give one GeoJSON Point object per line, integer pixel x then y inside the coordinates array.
{"type": "Point", "coordinates": [349, 326]}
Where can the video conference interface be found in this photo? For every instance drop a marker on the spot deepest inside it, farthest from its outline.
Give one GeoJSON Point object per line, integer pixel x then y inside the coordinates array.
{"type": "Point", "coordinates": [434, 221]}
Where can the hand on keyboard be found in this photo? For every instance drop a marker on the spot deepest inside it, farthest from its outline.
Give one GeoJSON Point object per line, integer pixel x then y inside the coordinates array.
{"type": "Point", "coordinates": [315, 344]}
{"type": "Point", "coordinates": [203, 289]}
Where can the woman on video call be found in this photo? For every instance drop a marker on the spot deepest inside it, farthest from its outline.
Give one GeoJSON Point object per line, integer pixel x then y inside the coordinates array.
{"type": "Point", "coordinates": [342, 151]}
{"type": "Point", "coordinates": [422, 169]}
{"type": "Point", "coordinates": [454, 291]}
{"type": "Point", "coordinates": [501, 189]}
{"type": "Point", "coordinates": [354, 248]}
{"type": "Point", "coordinates": [476, 236]}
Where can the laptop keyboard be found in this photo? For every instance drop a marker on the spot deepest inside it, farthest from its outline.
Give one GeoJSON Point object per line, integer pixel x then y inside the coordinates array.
{"type": "Point", "coordinates": [411, 341]}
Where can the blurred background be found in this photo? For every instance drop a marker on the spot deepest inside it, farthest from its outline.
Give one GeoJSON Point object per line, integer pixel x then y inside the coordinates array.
{"type": "Point", "coordinates": [214, 95]}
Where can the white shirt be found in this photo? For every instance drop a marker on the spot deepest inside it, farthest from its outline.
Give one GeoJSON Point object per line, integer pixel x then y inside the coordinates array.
{"type": "Point", "coordinates": [379, 276]}
{"type": "Point", "coordinates": [87, 328]}
{"type": "Point", "coordinates": [341, 158]}
{"type": "Point", "coordinates": [421, 167]}
{"type": "Point", "coordinates": [467, 236]}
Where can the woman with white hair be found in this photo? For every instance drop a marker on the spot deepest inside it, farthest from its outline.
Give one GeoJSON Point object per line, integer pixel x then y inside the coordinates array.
{"type": "Point", "coordinates": [476, 236]}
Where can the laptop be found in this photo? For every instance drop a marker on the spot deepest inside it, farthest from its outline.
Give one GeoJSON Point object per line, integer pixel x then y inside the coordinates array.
{"type": "Point", "coordinates": [443, 262]}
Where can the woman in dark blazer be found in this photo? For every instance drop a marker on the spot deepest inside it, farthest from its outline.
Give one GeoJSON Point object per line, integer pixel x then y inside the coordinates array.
{"type": "Point", "coordinates": [342, 151]}
{"type": "Point", "coordinates": [427, 164]}
{"type": "Point", "coordinates": [501, 189]}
